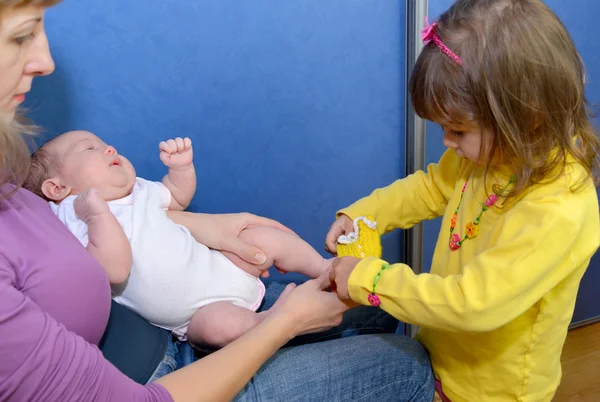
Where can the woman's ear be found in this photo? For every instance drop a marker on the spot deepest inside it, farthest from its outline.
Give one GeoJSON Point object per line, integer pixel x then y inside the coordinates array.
{"type": "Point", "coordinates": [55, 190]}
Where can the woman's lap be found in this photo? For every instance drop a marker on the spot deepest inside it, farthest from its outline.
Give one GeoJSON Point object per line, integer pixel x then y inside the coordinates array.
{"type": "Point", "coordinates": [341, 367]}
{"type": "Point", "coordinates": [381, 367]}
{"type": "Point", "coordinates": [360, 368]}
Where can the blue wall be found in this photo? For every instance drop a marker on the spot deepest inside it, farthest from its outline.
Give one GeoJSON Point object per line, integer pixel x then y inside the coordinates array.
{"type": "Point", "coordinates": [579, 18]}
{"type": "Point", "coordinates": [295, 108]}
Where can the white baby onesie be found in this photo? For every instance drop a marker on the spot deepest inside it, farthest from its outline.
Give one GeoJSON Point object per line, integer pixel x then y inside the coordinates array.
{"type": "Point", "coordinates": [172, 274]}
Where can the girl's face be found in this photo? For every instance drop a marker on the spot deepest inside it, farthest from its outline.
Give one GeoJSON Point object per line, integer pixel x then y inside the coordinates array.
{"type": "Point", "coordinates": [24, 54]}
{"type": "Point", "coordinates": [466, 139]}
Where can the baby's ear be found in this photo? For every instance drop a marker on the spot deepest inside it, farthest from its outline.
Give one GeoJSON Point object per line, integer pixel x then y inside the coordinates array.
{"type": "Point", "coordinates": [54, 189]}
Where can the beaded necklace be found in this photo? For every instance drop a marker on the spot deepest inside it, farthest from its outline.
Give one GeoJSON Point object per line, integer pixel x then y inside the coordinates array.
{"type": "Point", "coordinates": [472, 228]}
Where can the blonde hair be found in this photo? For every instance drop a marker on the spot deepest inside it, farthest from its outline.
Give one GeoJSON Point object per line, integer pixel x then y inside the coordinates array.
{"type": "Point", "coordinates": [14, 150]}
{"type": "Point", "coordinates": [4, 4]}
{"type": "Point", "coordinates": [521, 77]}
{"type": "Point", "coordinates": [14, 156]}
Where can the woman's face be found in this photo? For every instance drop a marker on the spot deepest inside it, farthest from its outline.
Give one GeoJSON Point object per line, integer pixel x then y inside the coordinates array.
{"type": "Point", "coordinates": [24, 54]}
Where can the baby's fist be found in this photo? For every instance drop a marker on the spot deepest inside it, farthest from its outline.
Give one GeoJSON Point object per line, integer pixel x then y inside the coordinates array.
{"type": "Point", "coordinates": [89, 204]}
{"type": "Point", "coordinates": [177, 153]}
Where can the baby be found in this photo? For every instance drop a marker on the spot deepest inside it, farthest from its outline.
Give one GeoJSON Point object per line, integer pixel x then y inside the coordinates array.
{"type": "Point", "coordinates": [154, 265]}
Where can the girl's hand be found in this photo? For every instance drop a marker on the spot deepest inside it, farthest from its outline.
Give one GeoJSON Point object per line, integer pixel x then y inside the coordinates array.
{"type": "Point", "coordinates": [339, 275]}
{"type": "Point", "coordinates": [342, 226]}
{"type": "Point", "coordinates": [221, 232]}
{"type": "Point", "coordinates": [310, 308]}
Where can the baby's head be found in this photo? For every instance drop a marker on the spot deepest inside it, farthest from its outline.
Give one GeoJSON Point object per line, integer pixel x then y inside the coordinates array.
{"type": "Point", "coordinates": [505, 81]}
{"type": "Point", "coordinates": [76, 161]}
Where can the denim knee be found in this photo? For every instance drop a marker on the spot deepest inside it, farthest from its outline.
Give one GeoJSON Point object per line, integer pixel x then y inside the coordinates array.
{"type": "Point", "coordinates": [414, 354]}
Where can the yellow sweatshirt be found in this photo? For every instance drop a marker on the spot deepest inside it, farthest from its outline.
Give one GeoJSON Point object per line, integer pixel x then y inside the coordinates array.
{"type": "Point", "coordinates": [493, 314]}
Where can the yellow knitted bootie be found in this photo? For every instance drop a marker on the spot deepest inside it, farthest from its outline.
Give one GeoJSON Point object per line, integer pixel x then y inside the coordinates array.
{"type": "Point", "coordinates": [363, 242]}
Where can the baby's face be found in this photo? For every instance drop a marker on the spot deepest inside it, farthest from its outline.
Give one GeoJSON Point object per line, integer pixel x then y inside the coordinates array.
{"type": "Point", "coordinates": [85, 161]}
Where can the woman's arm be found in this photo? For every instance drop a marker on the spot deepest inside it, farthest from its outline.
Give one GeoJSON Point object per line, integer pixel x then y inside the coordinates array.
{"type": "Point", "coordinates": [221, 231]}
{"type": "Point", "coordinates": [221, 375]}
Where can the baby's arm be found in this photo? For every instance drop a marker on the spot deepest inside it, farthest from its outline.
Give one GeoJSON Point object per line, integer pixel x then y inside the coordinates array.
{"type": "Point", "coordinates": [107, 240]}
{"type": "Point", "coordinates": [177, 155]}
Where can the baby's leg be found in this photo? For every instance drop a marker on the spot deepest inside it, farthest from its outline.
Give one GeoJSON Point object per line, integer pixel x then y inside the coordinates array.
{"type": "Point", "coordinates": [218, 324]}
{"type": "Point", "coordinates": [285, 250]}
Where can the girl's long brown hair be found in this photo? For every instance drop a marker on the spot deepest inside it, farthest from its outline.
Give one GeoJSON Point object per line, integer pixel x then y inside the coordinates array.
{"type": "Point", "coordinates": [522, 78]}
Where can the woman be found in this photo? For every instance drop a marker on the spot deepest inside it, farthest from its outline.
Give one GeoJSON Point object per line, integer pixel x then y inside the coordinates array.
{"type": "Point", "coordinates": [55, 298]}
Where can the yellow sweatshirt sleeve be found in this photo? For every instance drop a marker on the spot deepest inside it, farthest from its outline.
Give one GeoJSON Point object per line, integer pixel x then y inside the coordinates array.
{"type": "Point", "coordinates": [540, 244]}
{"type": "Point", "coordinates": [413, 199]}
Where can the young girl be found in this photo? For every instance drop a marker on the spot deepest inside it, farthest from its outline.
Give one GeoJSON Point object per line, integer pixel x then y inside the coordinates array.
{"type": "Point", "coordinates": [515, 187]}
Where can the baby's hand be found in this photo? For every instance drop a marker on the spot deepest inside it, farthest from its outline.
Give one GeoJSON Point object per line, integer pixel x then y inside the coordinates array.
{"type": "Point", "coordinates": [343, 225]}
{"type": "Point", "coordinates": [177, 153]}
{"type": "Point", "coordinates": [89, 204]}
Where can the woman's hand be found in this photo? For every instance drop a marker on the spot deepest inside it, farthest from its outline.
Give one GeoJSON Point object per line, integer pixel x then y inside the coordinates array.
{"type": "Point", "coordinates": [310, 307]}
{"type": "Point", "coordinates": [221, 232]}
{"type": "Point", "coordinates": [340, 272]}
{"type": "Point", "coordinates": [342, 225]}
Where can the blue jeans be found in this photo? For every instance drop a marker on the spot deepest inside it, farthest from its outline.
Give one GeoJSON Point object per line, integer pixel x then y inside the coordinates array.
{"type": "Point", "coordinates": [334, 365]}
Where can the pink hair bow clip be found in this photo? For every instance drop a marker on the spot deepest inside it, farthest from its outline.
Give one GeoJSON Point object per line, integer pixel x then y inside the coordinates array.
{"type": "Point", "coordinates": [428, 34]}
